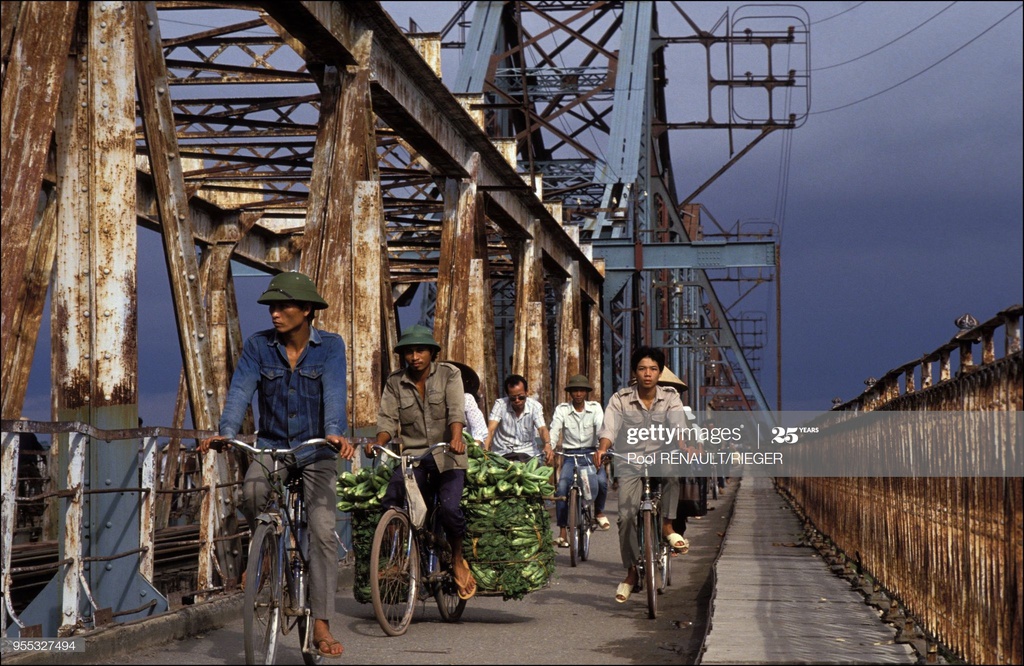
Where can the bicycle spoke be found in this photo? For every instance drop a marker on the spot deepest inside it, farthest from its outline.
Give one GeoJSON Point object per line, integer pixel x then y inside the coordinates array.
{"type": "Point", "coordinates": [262, 610]}
{"type": "Point", "coordinates": [394, 573]}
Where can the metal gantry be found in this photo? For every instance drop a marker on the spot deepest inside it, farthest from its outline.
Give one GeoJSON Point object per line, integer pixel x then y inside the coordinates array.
{"type": "Point", "coordinates": [318, 136]}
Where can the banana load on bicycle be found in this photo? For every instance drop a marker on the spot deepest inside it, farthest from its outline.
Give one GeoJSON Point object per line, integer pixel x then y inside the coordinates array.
{"type": "Point", "coordinates": [642, 421]}
{"type": "Point", "coordinates": [508, 529]}
{"type": "Point", "coordinates": [423, 404]}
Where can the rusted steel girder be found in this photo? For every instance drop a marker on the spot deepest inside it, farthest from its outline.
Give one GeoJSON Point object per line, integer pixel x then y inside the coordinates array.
{"type": "Point", "coordinates": [570, 333]}
{"type": "Point", "coordinates": [36, 37]}
{"type": "Point", "coordinates": [459, 229]}
{"type": "Point", "coordinates": [95, 359]}
{"type": "Point", "coordinates": [416, 104]}
{"type": "Point", "coordinates": [182, 268]}
{"type": "Point", "coordinates": [28, 311]}
{"type": "Point", "coordinates": [344, 246]}
{"type": "Point", "coordinates": [530, 358]}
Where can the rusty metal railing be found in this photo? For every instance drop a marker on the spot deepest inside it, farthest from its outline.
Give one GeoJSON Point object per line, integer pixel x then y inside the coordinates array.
{"type": "Point", "coordinates": [948, 549]}
{"type": "Point", "coordinates": [70, 492]}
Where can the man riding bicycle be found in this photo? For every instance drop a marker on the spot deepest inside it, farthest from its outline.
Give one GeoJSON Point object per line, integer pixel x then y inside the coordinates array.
{"type": "Point", "coordinates": [299, 373]}
{"type": "Point", "coordinates": [574, 428]}
{"type": "Point", "coordinates": [515, 422]}
{"type": "Point", "coordinates": [633, 420]}
{"type": "Point", "coordinates": [423, 403]}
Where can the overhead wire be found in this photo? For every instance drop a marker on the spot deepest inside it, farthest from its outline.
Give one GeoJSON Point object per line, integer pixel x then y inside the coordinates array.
{"type": "Point", "coordinates": [829, 18]}
{"type": "Point", "coordinates": [847, 62]}
{"type": "Point", "coordinates": [933, 65]}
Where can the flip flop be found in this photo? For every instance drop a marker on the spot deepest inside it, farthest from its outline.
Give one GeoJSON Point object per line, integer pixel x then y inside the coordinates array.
{"type": "Point", "coordinates": [561, 543]}
{"type": "Point", "coordinates": [466, 590]}
{"type": "Point", "coordinates": [604, 523]}
{"type": "Point", "coordinates": [622, 592]}
{"type": "Point", "coordinates": [328, 643]}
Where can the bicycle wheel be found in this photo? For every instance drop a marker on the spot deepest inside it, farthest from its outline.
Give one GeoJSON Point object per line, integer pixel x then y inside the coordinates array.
{"type": "Point", "coordinates": [262, 611]}
{"type": "Point", "coordinates": [394, 572]}
{"type": "Point", "coordinates": [586, 528]}
{"type": "Point", "coordinates": [574, 523]}
{"type": "Point", "coordinates": [650, 537]}
{"type": "Point", "coordinates": [446, 592]}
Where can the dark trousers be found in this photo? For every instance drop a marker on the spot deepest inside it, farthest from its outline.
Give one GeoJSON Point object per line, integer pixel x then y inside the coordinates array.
{"type": "Point", "coordinates": [441, 491]}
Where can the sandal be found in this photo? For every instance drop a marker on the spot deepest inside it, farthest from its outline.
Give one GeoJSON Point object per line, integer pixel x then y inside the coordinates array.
{"type": "Point", "coordinates": [622, 592]}
{"type": "Point", "coordinates": [604, 523]}
{"type": "Point", "coordinates": [678, 543]}
{"type": "Point", "coordinates": [561, 543]}
{"type": "Point", "coordinates": [467, 588]}
{"type": "Point", "coordinates": [324, 646]}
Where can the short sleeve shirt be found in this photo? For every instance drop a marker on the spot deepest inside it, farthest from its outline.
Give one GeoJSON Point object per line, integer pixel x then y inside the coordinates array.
{"type": "Point", "coordinates": [577, 429]}
{"type": "Point", "coordinates": [516, 434]}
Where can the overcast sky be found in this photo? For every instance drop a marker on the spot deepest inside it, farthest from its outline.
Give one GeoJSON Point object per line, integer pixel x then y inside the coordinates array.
{"type": "Point", "coordinates": [899, 200]}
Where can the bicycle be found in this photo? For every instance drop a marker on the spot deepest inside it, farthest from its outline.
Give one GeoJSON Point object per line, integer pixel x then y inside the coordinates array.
{"type": "Point", "coordinates": [654, 570]}
{"type": "Point", "coordinates": [409, 563]}
{"type": "Point", "coordinates": [580, 524]}
{"type": "Point", "coordinates": [278, 561]}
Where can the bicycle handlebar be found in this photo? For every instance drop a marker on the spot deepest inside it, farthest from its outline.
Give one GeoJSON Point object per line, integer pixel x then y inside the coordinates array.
{"type": "Point", "coordinates": [220, 444]}
{"type": "Point", "coordinates": [389, 452]}
{"type": "Point", "coordinates": [589, 457]}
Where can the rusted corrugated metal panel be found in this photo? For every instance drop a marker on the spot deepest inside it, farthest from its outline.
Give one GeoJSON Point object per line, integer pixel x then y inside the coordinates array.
{"type": "Point", "coordinates": [33, 76]}
{"type": "Point", "coordinates": [28, 313]}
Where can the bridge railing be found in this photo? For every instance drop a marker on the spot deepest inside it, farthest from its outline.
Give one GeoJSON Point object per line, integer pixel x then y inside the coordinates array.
{"type": "Point", "coordinates": [35, 549]}
{"type": "Point", "coordinates": [948, 549]}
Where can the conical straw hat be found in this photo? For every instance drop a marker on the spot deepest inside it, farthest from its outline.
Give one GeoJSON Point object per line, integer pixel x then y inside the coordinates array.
{"type": "Point", "coordinates": [668, 378]}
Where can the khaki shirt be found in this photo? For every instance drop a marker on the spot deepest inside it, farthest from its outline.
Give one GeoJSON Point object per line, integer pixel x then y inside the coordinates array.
{"type": "Point", "coordinates": [421, 423]}
{"type": "Point", "coordinates": [626, 414]}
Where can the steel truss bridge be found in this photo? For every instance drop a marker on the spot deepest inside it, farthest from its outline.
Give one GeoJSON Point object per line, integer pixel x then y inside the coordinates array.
{"type": "Point", "coordinates": [529, 207]}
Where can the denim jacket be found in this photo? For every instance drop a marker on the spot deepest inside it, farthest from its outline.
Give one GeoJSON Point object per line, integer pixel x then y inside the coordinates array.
{"type": "Point", "coordinates": [294, 405]}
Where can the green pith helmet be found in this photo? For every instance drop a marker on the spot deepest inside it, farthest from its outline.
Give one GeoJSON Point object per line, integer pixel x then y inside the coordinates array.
{"type": "Point", "coordinates": [579, 382]}
{"type": "Point", "coordinates": [417, 336]}
{"type": "Point", "coordinates": [292, 286]}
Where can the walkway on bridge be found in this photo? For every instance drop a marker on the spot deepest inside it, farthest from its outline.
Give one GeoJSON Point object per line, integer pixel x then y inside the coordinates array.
{"type": "Point", "coordinates": [777, 601]}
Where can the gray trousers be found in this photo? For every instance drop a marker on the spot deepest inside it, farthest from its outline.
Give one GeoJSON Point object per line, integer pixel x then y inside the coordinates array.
{"type": "Point", "coordinates": [320, 481]}
{"type": "Point", "coordinates": [631, 489]}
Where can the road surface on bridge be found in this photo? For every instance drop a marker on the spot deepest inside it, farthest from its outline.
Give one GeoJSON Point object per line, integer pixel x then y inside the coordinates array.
{"type": "Point", "coordinates": [575, 620]}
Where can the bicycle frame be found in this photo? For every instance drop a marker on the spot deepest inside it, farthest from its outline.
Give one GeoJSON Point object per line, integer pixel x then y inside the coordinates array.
{"type": "Point", "coordinates": [581, 520]}
{"type": "Point", "coordinates": [654, 552]}
{"type": "Point", "coordinates": [284, 518]}
{"type": "Point", "coordinates": [393, 603]}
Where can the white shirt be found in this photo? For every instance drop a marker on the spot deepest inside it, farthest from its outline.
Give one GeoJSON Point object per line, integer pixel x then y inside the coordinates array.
{"type": "Point", "coordinates": [475, 420]}
{"type": "Point", "coordinates": [516, 434]}
{"type": "Point", "coordinates": [578, 429]}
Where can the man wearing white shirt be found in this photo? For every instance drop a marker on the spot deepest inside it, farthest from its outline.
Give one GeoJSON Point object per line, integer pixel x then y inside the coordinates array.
{"type": "Point", "coordinates": [515, 422]}
{"type": "Point", "coordinates": [574, 426]}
